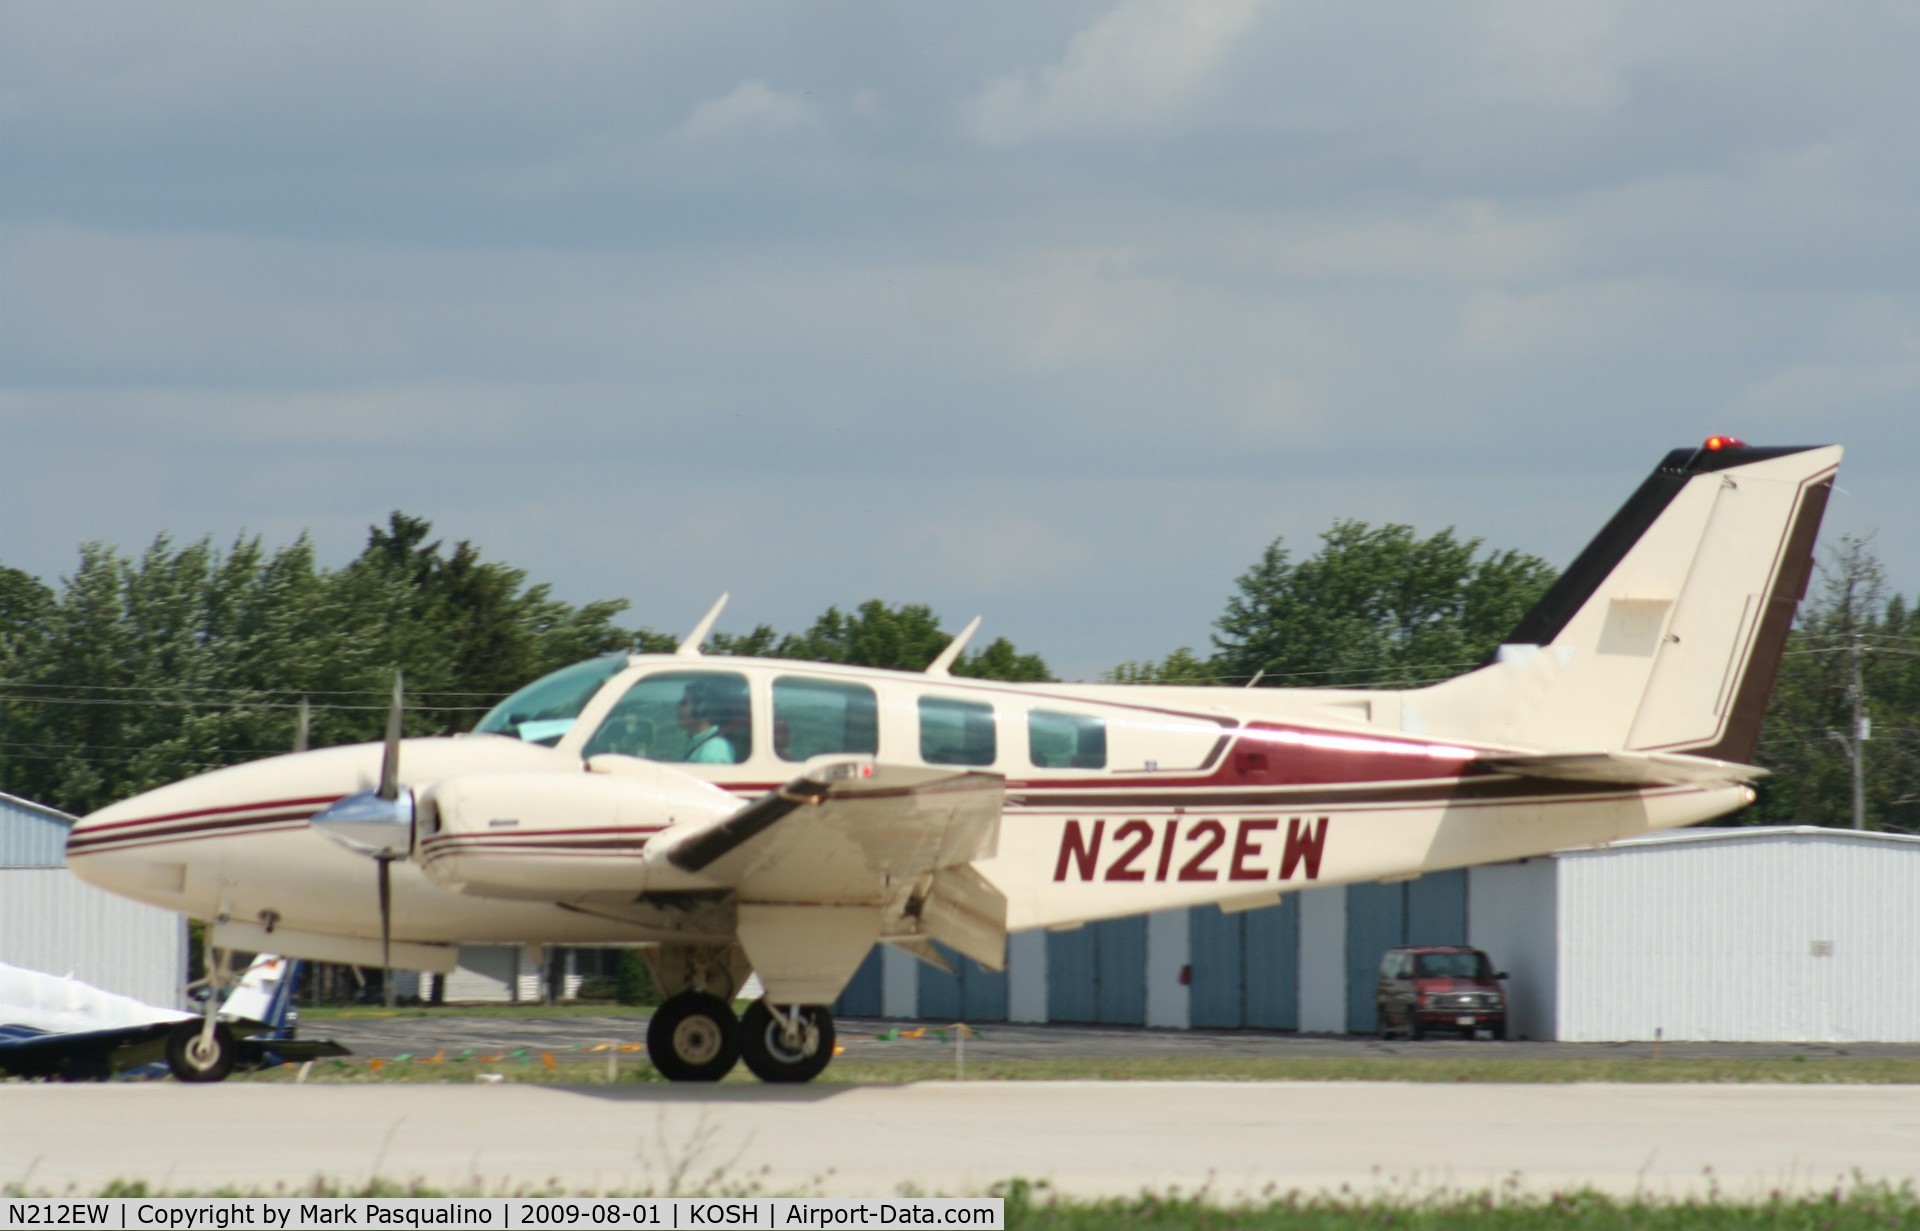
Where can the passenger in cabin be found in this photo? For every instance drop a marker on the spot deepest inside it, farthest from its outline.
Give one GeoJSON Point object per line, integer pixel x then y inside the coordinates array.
{"type": "Point", "coordinates": [707, 744]}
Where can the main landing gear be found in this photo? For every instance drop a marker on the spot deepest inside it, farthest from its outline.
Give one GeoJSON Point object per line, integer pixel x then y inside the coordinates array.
{"type": "Point", "coordinates": [694, 1036]}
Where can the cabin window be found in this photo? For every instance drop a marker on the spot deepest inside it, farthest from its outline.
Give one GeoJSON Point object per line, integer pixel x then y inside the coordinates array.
{"type": "Point", "coordinates": [815, 717]}
{"type": "Point", "coordinates": [546, 709]}
{"type": "Point", "coordinates": [1066, 741]}
{"type": "Point", "coordinates": [956, 732]}
{"type": "Point", "coordinates": [696, 717]}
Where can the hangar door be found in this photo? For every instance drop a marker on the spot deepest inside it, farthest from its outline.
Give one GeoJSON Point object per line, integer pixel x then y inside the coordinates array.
{"type": "Point", "coordinates": [1098, 973]}
{"type": "Point", "coordinates": [1429, 911]}
{"type": "Point", "coordinates": [972, 993]}
{"type": "Point", "coordinates": [1245, 967]}
{"type": "Point", "coordinates": [862, 995]}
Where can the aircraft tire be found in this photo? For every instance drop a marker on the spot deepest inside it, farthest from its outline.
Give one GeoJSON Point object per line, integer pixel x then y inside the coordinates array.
{"type": "Point", "coordinates": [771, 1058]}
{"type": "Point", "coordinates": [693, 1037]}
{"type": "Point", "coordinates": [189, 1062]}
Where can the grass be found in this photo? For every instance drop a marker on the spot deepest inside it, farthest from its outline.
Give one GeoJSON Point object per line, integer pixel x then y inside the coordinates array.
{"type": "Point", "coordinates": [1866, 1206]}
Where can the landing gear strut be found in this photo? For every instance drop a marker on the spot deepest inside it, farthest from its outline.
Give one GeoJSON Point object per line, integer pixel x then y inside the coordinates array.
{"type": "Point", "coordinates": [692, 1037]}
{"type": "Point", "coordinates": [206, 1050]}
{"type": "Point", "coordinates": [787, 1045]}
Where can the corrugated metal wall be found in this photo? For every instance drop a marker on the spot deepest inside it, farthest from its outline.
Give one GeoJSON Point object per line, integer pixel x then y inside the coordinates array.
{"type": "Point", "coordinates": [1778, 935]}
{"type": "Point", "coordinates": [52, 921]}
{"type": "Point", "coordinates": [1512, 921]}
{"type": "Point", "coordinates": [32, 836]}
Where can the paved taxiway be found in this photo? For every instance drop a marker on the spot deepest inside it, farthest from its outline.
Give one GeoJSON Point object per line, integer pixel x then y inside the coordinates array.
{"type": "Point", "coordinates": [864, 1040]}
{"type": "Point", "coordinates": [1113, 1138]}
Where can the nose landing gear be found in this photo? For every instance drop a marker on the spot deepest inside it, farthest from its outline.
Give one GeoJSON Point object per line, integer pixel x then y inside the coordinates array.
{"type": "Point", "coordinates": [205, 1050]}
{"type": "Point", "coordinates": [695, 1037]}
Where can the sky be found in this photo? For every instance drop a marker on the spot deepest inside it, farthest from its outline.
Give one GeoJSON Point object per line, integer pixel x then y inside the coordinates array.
{"type": "Point", "coordinates": [1053, 313]}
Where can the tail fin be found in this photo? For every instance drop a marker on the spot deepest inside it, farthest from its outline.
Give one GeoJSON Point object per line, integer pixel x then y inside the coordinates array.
{"type": "Point", "coordinates": [1666, 633]}
{"type": "Point", "coordinates": [265, 993]}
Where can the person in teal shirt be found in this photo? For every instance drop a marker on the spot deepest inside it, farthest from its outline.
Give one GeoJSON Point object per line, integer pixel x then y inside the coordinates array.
{"type": "Point", "coordinates": [705, 744]}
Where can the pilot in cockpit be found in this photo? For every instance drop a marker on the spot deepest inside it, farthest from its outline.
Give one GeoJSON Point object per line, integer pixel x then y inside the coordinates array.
{"type": "Point", "coordinates": [697, 715]}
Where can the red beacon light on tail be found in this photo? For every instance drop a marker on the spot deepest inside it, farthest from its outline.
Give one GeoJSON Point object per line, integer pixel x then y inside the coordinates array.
{"type": "Point", "coordinates": [1716, 443]}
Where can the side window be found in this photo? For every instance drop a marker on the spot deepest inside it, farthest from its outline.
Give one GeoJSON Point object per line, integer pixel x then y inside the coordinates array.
{"type": "Point", "coordinates": [811, 717]}
{"type": "Point", "coordinates": [956, 732]}
{"type": "Point", "coordinates": [700, 717]}
{"type": "Point", "coordinates": [1390, 965]}
{"type": "Point", "coordinates": [1066, 741]}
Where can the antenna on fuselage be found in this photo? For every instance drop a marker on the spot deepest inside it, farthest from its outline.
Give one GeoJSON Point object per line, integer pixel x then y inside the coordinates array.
{"type": "Point", "coordinates": [942, 666]}
{"type": "Point", "coordinates": [690, 648]}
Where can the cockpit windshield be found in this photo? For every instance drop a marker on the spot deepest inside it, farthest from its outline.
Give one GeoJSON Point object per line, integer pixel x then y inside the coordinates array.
{"type": "Point", "coordinates": [545, 710]}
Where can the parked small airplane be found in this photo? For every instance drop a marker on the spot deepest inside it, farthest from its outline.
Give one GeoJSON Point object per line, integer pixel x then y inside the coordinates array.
{"type": "Point", "coordinates": [59, 1027]}
{"type": "Point", "coordinates": [734, 814]}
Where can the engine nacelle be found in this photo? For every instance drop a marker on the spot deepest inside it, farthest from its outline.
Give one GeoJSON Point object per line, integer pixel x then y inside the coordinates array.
{"type": "Point", "coordinates": [556, 838]}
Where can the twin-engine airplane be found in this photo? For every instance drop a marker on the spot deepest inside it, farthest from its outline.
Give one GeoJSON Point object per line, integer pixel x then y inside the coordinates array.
{"type": "Point", "coordinates": [736, 814]}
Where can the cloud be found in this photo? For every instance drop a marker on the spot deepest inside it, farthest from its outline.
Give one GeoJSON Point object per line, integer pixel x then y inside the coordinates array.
{"type": "Point", "coordinates": [1134, 71]}
{"type": "Point", "coordinates": [753, 109]}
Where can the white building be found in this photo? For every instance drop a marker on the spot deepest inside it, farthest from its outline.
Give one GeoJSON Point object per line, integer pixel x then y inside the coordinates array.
{"type": "Point", "coordinates": [1788, 934]}
{"type": "Point", "coordinates": [52, 921]}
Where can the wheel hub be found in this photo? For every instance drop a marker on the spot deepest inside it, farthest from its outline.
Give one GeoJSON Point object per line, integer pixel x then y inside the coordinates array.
{"type": "Point", "coordinates": [698, 1040]}
{"type": "Point", "coordinates": [794, 1039]}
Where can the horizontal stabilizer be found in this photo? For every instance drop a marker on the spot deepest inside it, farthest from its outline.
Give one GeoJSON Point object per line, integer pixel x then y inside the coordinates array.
{"type": "Point", "coordinates": [1625, 768]}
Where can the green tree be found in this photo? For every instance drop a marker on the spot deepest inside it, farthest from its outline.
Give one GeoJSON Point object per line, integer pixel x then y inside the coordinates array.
{"type": "Point", "coordinates": [1850, 628]}
{"type": "Point", "coordinates": [142, 671]}
{"type": "Point", "coordinates": [24, 607]}
{"type": "Point", "coordinates": [467, 629]}
{"type": "Point", "coordinates": [903, 638]}
{"type": "Point", "coordinates": [1374, 606]}
{"type": "Point", "coordinates": [1182, 666]}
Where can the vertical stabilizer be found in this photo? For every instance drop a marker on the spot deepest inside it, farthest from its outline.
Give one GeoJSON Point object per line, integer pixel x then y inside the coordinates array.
{"type": "Point", "coordinates": [1666, 633]}
{"type": "Point", "coordinates": [264, 994]}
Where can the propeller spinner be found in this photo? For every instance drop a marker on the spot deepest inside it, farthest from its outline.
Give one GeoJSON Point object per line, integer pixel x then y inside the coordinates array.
{"type": "Point", "coordinates": [378, 824]}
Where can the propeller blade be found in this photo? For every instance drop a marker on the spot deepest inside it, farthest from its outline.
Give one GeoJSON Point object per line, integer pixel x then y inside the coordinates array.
{"type": "Point", "coordinates": [390, 760]}
{"type": "Point", "coordinates": [386, 926]}
{"type": "Point", "coordinates": [302, 726]}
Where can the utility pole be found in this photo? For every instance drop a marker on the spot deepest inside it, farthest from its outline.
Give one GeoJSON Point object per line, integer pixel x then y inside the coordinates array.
{"type": "Point", "coordinates": [1855, 741]}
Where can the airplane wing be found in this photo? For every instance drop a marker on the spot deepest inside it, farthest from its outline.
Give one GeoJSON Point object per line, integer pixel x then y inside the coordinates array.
{"type": "Point", "coordinates": [895, 842]}
{"type": "Point", "coordinates": [81, 1055]}
{"type": "Point", "coordinates": [1625, 768]}
{"type": "Point", "coordinates": [844, 831]}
